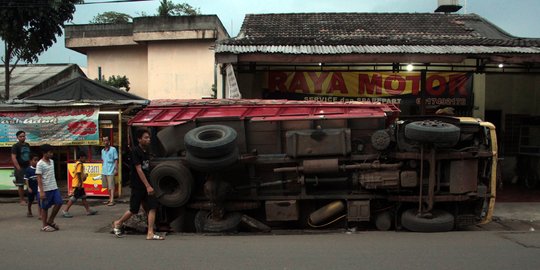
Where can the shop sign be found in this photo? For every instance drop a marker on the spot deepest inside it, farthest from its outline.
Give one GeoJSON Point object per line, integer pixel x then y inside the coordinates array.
{"type": "Point", "coordinates": [442, 88]}
{"type": "Point", "coordinates": [66, 127]}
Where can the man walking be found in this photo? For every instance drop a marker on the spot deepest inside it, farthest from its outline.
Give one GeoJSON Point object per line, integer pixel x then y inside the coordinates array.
{"type": "Point", "coordinates": [141, 190]}
{"type": "Point", "coordinates": [20, 156]}
{"type": "Point", "coordinates": [109, 157]}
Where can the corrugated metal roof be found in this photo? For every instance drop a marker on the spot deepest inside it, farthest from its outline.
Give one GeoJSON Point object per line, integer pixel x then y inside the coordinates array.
{"type": "Point", "coordinates": [24, 78]}
{"type": "Point", "coordinates": [369, 49]}
{"type": "Point", "coordinates": [374, 33]}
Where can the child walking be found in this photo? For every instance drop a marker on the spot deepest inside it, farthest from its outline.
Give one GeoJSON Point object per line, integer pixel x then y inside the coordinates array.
{"type": "Point", "coordinates": [77, 191]}
{"type": "Point", "coordinates": [31, 182]}
{"type": "Point", "coordinates": [49, 195]}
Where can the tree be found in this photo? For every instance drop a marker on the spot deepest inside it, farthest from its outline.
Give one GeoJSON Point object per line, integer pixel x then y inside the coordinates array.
{"type": "Point", "coordinates": [28, 28]}
{"type": "Point", "coordinates": [111, 17]}
{"type": "Point", "coordinates": [168, 8]}
{"type": "Point", "coordinates": [120, 82]}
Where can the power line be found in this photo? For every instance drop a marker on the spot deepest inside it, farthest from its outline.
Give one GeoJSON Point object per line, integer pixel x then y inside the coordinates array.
{"type": "Point", "coordinates": [34, 3]}
{"type": "Point", "coordinates": [111, 1]}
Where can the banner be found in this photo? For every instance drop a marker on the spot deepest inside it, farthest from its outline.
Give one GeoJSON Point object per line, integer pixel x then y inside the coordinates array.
{"type": "Point", "coordinates": [233, 91]}
{"type": "Point", "coordinates": [444, 88]}
{"type": "Point", "coordinates": [93, 184]}
{"type": "Point", "coordinates": [66, 127]}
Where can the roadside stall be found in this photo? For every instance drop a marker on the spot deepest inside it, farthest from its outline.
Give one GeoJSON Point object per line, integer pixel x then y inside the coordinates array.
{"type": "Point", "coordinates": [70, 130]}
{"type": "Point", "coordinates": [73, 117]}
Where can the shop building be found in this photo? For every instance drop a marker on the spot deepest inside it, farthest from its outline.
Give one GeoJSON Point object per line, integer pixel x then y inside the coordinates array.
{"type": "Point", "coordinates": [420, 61]}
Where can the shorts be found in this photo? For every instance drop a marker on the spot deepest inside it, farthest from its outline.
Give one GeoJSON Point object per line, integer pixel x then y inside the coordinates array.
{"type": "Point", "coordinates": [52, 197]}
{"type": "Point", "coordinates": [78, 193]}
{"type": "Point", "coordinates": [34, 194]}
{"type": "Point", "coordinates": [19, 177]}
{"type": "Point", "coordinates": [107, 181]}
{"type": "Point", "coordinates": [141, 195]}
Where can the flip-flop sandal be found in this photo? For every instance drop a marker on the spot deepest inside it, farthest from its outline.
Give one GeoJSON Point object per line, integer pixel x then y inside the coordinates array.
{"type": "Point", "coordinates": [111, 204]}
{"type": "Point", "coordinates": [117, 231]}
{"type": "Point", "coordinates": [107, 202]}
{"type": "Point", "coordinates": [155, 237]}
{"type": "Point", "coordinates": [48, 229]}
{"type": "Point", "coordinates": [54, 226]}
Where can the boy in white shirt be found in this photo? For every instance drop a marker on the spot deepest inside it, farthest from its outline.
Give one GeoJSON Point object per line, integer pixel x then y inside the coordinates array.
{"type": "Point", "coordinates": [49, 194]}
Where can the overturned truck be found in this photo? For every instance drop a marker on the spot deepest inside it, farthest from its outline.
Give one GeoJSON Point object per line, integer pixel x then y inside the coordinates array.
{"type": "Point", "coordinates": [267, 164]}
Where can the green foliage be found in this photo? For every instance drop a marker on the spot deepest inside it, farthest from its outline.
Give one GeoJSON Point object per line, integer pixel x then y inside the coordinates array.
{"type": "Point", "coordinates": [120, 82]}
{"type": "Point", "coordinates": [111, 17]}
{"type": "Point", "coordinates": [168, 8]}
{"type": "Point", "coordinates": [28, 28]}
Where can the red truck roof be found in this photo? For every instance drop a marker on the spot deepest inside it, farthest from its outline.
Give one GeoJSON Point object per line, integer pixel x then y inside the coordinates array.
{"type": "Point", "coordinates": [168, 112]}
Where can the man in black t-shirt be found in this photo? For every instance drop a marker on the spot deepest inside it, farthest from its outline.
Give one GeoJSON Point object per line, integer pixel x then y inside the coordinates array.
{"type": "Point", "coordinates": [20, 156]}
{"type": "Point", "coordinates": [141, 190]}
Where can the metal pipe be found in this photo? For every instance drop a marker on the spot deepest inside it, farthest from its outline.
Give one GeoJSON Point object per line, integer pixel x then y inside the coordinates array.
{"type": "Point", "coordinates": [326, 212]}
{"type": "Point", "coordinates": [266, 184]}
{"type": "Point", "coordinates": [317, 180]}
{"type": "Point", "coordinates": [431, 186]}
{"type": "Point", "coordinates": [420, 195]}
{"type": "Point", "coordinates": [363, 166]}
{"type": "Point", "coordinates": [374, 165]}
{"type": "Point", "coordinates": [229, 206]}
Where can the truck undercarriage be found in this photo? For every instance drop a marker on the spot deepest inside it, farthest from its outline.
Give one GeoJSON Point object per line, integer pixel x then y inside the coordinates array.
{"type": "Point", "coordinates": [267, 164]}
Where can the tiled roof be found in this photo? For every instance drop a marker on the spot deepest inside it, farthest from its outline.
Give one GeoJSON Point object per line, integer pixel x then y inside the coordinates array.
{"type": "Point", "coordinates": [370, 30]}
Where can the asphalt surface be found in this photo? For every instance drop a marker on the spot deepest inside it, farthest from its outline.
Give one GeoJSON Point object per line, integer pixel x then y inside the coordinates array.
{"type": "Point", "coordinates": [511, 241]}
{"type": "Point", "coordinates": [84, 242]}
{"type": "Point", "coordinates": [508, 216]}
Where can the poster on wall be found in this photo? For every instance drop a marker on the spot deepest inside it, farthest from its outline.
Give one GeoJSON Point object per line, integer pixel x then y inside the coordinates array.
{"type": "Point", "coordinates": [58, 128]}
{"type": "Point", "coordinates": [442, 88]}
{"type": "Point", "coordinates": [93, 184]}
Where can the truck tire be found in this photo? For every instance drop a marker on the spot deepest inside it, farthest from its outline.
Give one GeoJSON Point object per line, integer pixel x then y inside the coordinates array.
{"type": "Point", "coordinates": [432, 131]}
{"type": "Point", "coordinates": [212, 164]}
{"type": "Point", "coordinates": [229, 223]}
{"type": "Point", "coordinates": [441, 221]}
{"type": "Point", "coordinates": [210, 141]}
{"type": "Point", "coordinates": [172, 183]}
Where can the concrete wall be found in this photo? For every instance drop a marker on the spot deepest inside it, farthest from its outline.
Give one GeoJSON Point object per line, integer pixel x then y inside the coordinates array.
{"type": "Point", "coordinates": [180, 69]}
{"type": "Point", "coordinates": [479, 91]}
{"type": "Point", "coordinates": [124, 61]}
{"type": "Point", "coordinates": [513, 93]}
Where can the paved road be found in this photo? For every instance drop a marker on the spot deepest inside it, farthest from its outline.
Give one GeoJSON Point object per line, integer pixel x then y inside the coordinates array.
{"type": "Point", "coordinates": [84, 242]}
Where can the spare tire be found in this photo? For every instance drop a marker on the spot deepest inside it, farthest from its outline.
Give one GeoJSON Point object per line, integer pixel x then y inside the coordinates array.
{"type": "Point", "coordinates": [212, 164]}
{"type": "Point", "coordinates": [440, 221]}
{"type": "Point", "coordinates": [433, 131]}
{"type": "Point", "coordinates": [172, 183]}
{"type": "Point", "coordinates": [210, 141]}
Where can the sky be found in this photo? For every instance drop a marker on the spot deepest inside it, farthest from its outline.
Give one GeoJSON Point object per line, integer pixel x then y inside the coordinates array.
{"type": "Point", "coordinates": [518, 17]}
